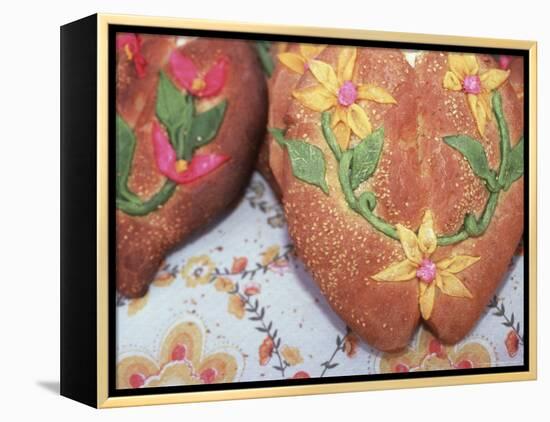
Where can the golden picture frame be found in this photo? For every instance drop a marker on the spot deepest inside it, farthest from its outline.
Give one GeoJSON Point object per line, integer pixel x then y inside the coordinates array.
{"type": "Point", "coordinates": [88, 310]}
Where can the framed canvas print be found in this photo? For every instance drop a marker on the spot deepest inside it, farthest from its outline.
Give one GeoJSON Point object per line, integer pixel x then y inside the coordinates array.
{"type": "Point", "coordinates": [254, 211]}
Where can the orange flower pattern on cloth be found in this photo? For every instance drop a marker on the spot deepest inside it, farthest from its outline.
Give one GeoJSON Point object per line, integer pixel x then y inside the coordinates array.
{"type": "Point", "coordinates": [181, 362]}
{"type": "Point", "coordinates": [418, 266]}
{"type": "Point", "coordinates": [464, 75]}
{"type": "Point", "coordinates": [428, 354]}
{"type": "Point", "coordinates": [337, 90]}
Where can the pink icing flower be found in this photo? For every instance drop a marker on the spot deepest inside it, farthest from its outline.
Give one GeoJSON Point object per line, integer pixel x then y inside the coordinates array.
{"type": "Point", "coordinates": [130, 44]}
{"type": "Point", "coordinates": [180, 171]}
{"type": "Point", "coordinates": [504, 62]}
{"type": "Point", "coordinates": [188, 76]}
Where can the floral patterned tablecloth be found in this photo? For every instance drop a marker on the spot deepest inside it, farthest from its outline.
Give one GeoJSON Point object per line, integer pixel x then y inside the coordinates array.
{"type": "Point", "coordinates": [235, 304]}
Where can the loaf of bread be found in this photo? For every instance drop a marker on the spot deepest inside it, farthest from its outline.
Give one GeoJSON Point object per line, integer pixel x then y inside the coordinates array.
{"type": "Point", "coordinates": [403, 197]}
{"type": "Point", "coordinates": [194, 148]}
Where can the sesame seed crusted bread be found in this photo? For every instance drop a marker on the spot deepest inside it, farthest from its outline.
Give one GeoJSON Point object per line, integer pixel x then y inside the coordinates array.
{"type": "Point", "coordinates": [144, 240]}
{"type": "Point", "coordinates": [417, 175]}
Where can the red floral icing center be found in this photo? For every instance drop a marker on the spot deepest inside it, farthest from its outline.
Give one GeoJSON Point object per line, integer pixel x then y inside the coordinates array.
{"type": "Point", "coordinates": [208, 376]}
{"type": "Point", "coordinates": [347, 94]}
{"type": "Point", "coordinates": [301, 375]}
{"type": "Point", "coordinates": [401, 367]}
{"type": "Point", "coordinates": [472, 84]}
{"type": "Point", "coordinates": [136, 380]}
{"type": "Point", "coordinates": [179, 352]}
{"type": "Point", "coordinates": [464, 364]}
{"type": "Point", "coordinates": [426, 271]}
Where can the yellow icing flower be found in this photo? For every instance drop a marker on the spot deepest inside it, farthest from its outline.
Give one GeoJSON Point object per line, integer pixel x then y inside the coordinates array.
{"type": "Point", "coordinates": [419, 266]}
{"type": "Point", "coordinates": [336, 89]}
{"type": "Point", "coordinates": [197, 270]}
{"type": "Point", "coordinates": [299, 62]}
{"type": "Point", "coordinates": [464, 76]}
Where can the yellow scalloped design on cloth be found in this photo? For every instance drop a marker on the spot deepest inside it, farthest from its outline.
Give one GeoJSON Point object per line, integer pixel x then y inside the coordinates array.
{"type": "Point", "coordinates": [180, 362]}
{"type": "Point", "coordinates": [428, 354]}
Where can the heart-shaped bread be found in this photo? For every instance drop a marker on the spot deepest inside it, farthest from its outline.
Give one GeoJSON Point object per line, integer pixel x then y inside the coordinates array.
{"type": "Point", "coordinates": [402, 187]}
{"type": "Point", "coordinates": [189, 123]}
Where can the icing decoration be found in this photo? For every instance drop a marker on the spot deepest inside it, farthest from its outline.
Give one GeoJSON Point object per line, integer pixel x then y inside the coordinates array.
{"type": "Point", "coordinates": [426, 271]}
{"type": "Point", "coordinates": [417, 265]}
{"type": "Point", "coordinates": [130, 44]}
{"type": "Point", "coordinates": [307, 161]}
{"type": "Point", "coordinates": [180, 171]}
{"type": "Point", "coordinates": [347, 94]}
{"type": "Point", "coordinates": [263, 49]}
{"type": "Point", "coordinates": [188, 76]}
{"type": "Point", "coordinates": [358, 164]}
{"type": "Point", "coordinates": [337, 90]}
{"type": "Point", "coordinates": [472, 84]}
{"type": "Point", "coordinates": [174, 145]}
{"type": "Point", "coordinates": [299, 62]}
{"type": "Point", "coordinates": [464, 75]}
{"type": "Point", "coordinates": [504, 61]}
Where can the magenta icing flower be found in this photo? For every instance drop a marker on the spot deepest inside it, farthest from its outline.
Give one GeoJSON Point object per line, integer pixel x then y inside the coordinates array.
{"type": "Point", "coordinates": [180, 171]}
{"type": "Point", "coordinates": [347, 94]}
{"type": "Point", "coordinates": [426, 271]}
{"type": "Point", "coordinates": [188, 76]}
{"type": "Point", "coordinates": [472, 84]}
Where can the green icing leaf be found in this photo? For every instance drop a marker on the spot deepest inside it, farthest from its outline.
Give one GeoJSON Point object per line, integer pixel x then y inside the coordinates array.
{"type": "Point", "coordinates": [474, 152]}
{"type": "Point", "coordinates": [205, 126]}
{"type": "Point", "coordinates": [144, 208]}
{"type": "Point", "coordinates": [515, 164]}
{"type": "Point", "coordinates": [263, 49]}
{"type": "Point", "coordinates": [365, 157]}
{"type": "Point", "coordinates": [125, 146]}
{"type": "Point", "coordinates": [175, 110]}
{"type": "Point", "coordinates": [126, 200]}
{"type": "Point", "coordinates": [172, 104]}
{"type": "Point", "coordinates": [308, 162]}
{"type": "Point", "coordinates": [278, 134]}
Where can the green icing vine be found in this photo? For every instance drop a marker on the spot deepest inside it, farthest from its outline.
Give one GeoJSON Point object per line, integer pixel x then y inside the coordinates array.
{"type": "Point", "coordinates": [358, 164]}
{"type": "Point", "coordinates": [187, 131]}
{"type": "Point", "coordinates": [263, 49]}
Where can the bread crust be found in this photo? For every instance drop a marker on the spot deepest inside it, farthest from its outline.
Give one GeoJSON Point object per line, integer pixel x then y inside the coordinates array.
{"type": "Point", "coordinates": [143, 242]}
{"type": "Point", "coordinates": [417, 172]}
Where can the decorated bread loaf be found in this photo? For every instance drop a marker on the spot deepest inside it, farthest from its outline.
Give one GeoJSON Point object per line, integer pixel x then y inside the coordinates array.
{"type": "Point", "coordinates": [402, 185]}
{"type": "Point", "coordinates": [189, 122]}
